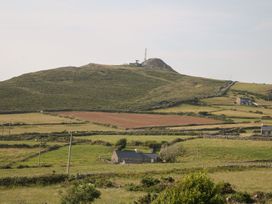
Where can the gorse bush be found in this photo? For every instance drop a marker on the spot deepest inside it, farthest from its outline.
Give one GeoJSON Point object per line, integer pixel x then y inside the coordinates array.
{"type": "Point", "coordinates": [149, 181]}
{"type": "Point", "coordinates": [241, 197]}
{"type": "Point", "coordinates": [193, 189]}
{"type": "Point", "coordinates": [80, 193]}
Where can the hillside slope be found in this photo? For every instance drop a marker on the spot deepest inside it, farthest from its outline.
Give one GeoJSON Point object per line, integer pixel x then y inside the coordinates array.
{"type": "Point", "coordinates": [103, 87]}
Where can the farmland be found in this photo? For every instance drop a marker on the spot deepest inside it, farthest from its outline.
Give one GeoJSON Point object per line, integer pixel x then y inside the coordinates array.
{"type": "Point", "coordinates": [214, 134]}
{"type": "Point", "coordinates": [128, 120]}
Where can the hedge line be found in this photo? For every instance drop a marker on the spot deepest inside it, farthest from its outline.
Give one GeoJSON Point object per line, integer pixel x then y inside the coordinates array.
{"type": "Point", "coordinates": [35, 180]}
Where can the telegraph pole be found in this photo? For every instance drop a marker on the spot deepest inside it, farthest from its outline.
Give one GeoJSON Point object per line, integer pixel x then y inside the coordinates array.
{"type": "Point", "coordinates": [69, 153]}
{"type": "Point", "coordinates": [40, 147]}
{"type": "Point", "coordinates": [9, 128]}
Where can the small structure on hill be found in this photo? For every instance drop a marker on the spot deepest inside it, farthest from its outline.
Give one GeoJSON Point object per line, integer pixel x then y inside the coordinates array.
{"type": "Point", "coordinates": [135, 64]}
{"type": "Point", "coordinates": [244, 101]}
{"type": "Point", "coordinates": [133, 157]}
{"type": "Point", "coordinates": [266, 131]}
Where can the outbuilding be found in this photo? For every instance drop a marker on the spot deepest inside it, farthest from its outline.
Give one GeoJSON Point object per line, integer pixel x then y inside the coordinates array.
{"type": "Point", "coordinates": [266, 131]}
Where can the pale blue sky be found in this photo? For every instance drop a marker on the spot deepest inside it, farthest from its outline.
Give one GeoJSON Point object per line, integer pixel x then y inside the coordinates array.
{"type": "Point", "coordinates": [226, 39]}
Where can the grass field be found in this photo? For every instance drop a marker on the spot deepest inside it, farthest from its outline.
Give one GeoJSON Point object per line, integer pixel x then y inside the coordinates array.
{"type": "Point", "coordinates": [263, 89]}
{"type": "Point", "coordinates": [143, 138]}
{"type": "Point", "coordinates": [35, 118]}
{"type": "Point", "coordinates": [260, 180]}
{"type": "Point", "coordinates": [187, 108]}
{"type": "Point", "coordinates": [240, 114]}
{"type": "Point", "coordinates": [220, 151]}
{"type": "Point", "coordinates": [198, 153]}
{"type": "Point", "coordinates": [8, 155]}
{"type": "Point", "coordinates": [50, 194]}
{"type": "Point", "coordinates": [250, 180]}
{"type": "Point", "coordinates": [54, 128]}
{"type": "Point", "coordinates": [222, 126]}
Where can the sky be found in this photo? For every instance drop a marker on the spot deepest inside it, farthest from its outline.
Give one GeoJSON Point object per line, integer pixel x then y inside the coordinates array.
{"type": "Point", "coordinates": [223, 39]}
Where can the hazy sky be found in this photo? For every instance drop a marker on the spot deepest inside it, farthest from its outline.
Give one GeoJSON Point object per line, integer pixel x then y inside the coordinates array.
{"type": "Point", "coordinates": [227, 39]}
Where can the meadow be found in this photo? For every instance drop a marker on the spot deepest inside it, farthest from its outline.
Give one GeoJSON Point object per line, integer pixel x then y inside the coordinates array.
{"type": "Point", "coordinates": [238, 159]}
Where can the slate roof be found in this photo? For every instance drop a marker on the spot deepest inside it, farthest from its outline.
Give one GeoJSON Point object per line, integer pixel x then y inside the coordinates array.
{"type": "Point", "coordinates": [135, 155]}
{"type": "Point", "coordinates": [267, 128]}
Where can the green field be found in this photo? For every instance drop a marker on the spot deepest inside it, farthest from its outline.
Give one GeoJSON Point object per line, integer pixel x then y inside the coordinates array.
{"type": "Point", "coordinates": [35, 118]}
{"type": "Point", "coordinates": [207, 154]}
{"type": "Point", "coordinates": [262, 89]}
{"type": "Point", "coordinates": [53, 128]}
{"type": "Point", "coordinates": [187, 108]}
{"type": "Point", "coordinates": [198, 153]}
{"type": "Point", "coordinates": [130, 138]}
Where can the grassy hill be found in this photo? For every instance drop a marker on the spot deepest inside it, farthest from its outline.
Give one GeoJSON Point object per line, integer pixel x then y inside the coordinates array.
{"type": "Point", "coordinates": [104, 87]}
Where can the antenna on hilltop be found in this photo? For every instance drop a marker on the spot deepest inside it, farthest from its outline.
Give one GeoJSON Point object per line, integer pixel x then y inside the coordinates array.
{"type": "Point", "coordinates": [145, 56]}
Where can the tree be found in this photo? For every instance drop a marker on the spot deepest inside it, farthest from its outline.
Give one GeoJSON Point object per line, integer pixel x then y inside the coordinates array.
{"type": "Point", "coordinates": [170, 153]}
{"type": "Point", "coordinates": [196, 188]}
{"type": "Point", "coordinates": [121, 144]}
{"type": "Point", "coordinates": [80, 193]}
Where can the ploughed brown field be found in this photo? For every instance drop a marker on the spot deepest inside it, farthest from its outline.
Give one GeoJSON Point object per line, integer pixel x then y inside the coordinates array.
{"type": "Point", "coordinates": [133, 120]}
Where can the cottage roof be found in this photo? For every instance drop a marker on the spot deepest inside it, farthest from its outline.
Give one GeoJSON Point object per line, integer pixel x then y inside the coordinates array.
{"type": "Point", "coordinates": [135, 155]}
{"type": "Point", "coordinates": [267, 128]}
{"type": "Point", "coordinates": [245, 99]}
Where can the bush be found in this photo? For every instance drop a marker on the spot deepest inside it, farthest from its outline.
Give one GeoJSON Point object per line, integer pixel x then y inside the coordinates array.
{"type": "Point", "coordinates": [36, 180]}
{"type": "Point", "coordinates": [149, 181]}
{"type": "Point", "coordinates": [133, 187]}
{"type": "Point", "coordinates": [241, 197]}
{"type": "Point", "coordinates": [82, 193]}
{"type": "Point", "coordinates": [170, 153]}
{"type": "Point", "coordinates": [100, 182]}
{"type": "Point", "coordinates": [194, 189]}
{"type": "Point", "coordinates": [146, 199]}
{"type": "Point", "coordinates": [121, 144]}
{"type": "Point", "coordinates": [168, 179]}
{"type": "Point", "coordinates": [225, 188]}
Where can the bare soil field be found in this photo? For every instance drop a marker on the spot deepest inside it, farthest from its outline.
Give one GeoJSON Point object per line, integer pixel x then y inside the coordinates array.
{"type": "Point", "coordinates": [132, 120]}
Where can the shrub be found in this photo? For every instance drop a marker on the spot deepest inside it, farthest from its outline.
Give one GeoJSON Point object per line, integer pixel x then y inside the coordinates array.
{"type": "Point", "coordinates": [121, 144]}
{"type": "Point", "coordinates": [35, 180]}
{"type": "Point", "coordinates": [133, 187]}
{"type": "Point", "coordinates": [168, 179]}
{"type": "Point", "coordinates": [241, 197]}
{"type": "Point", "coordinates": [100, 182]}
{"type": "Point", "coordinates": [170, 153]}
{"type": "Point", "coordinates": [225, 188]}
{"type": "Point", "coordinates": [82, 193]}
{"type": "Point", "coordinates": [193, 189]}
{"type": "Point", "coordinates": [146, 199]}
{"type": "Point", "coordinates": [149, 181]}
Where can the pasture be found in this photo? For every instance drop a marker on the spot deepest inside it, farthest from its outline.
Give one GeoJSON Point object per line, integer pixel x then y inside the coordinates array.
{"type": "Point", "coordinates": [53, 128]}
{"type": "Point", "coordinates": [36, 118]}
{"type": "Point", "coordinates": [230, 160]}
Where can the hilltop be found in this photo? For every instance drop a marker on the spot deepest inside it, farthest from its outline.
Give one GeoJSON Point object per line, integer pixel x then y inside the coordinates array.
{"type": "Point", "coordinates": [150, 85]}
{"type": "Point", "coordinates": [105, 87]}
